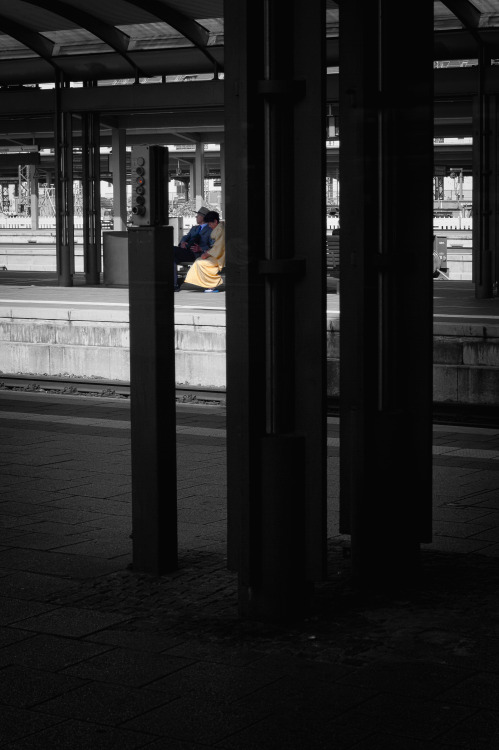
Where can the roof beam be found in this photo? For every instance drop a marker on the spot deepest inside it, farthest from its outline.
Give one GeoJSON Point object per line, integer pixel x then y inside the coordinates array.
{"type": "Point", "coordinates": [34, 41]}
{"type": "Point", "coordinates": [465, 12]}
{"type": "Point", "coordinates": [192, 30]}
{"type": "Point", "coordinates": [113, 37]}
{"type": "Point", "coordinates": [468, 15]}
{"type": "Point", "coordinates": [154, 97]}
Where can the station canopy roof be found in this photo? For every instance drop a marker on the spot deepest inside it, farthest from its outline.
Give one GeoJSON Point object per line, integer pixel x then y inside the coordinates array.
{"type": "Point", "coordinates": [123, 42]}
{"type": "Point", "coordinates": [109, 40]}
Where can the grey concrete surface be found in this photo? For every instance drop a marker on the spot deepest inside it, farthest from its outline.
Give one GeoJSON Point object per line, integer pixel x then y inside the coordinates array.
{"type": "Point", "coordinates": [93, 655]}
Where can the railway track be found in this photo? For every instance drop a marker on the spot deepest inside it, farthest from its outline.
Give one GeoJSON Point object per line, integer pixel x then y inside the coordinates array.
{"type": "Point", "coordinates": [98, 388]}
{"type": "Point", "coordinates": [474, 415]}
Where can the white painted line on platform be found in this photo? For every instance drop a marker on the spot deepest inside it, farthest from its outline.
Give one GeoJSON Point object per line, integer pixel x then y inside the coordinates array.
{"type": "Point", "coordinates": [124, 424]}
{"type": "Point", "coordinates": [88, 303]}
{"type": "Point", "coordinates": [465, 316]}
{"type": "Point", "coordinates": [197, 307]}
{"type": "Point", "coordinates": [21, 416]}
{"type": "Point", "coordinates": [93, 303]}
{"type": "Point", "coordinates": [448, 451]}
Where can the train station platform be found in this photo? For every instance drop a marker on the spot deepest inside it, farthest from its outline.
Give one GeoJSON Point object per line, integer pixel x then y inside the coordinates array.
{"type": "Point", "coordinates": [83, 332]}
{"type": "Point", "coordinates": [94, 655]}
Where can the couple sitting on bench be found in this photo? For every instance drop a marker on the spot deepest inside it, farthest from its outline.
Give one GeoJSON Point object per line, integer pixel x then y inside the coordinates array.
{"type": "Point", "coordinates": [204, 246]}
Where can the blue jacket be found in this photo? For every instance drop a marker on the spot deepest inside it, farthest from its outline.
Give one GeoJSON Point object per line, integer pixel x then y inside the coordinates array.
{"type": "Point", "coordinates": [202, 238]}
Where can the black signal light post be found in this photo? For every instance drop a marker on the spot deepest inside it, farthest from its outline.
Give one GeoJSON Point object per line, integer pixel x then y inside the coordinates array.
{"type": "Point", "coordinates": [152, 365]}
{"type": "Point", "coordinates": [149, 185]}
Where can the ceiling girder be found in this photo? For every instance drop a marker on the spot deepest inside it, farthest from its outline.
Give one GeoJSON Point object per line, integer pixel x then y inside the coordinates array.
{"type": "Point", "coordinates": [30, 39]}
{"type": "Point", "coordinates": [110, 66]}
{"type": "Point", "coordinates": [467, 13]}
{"type": "Point", "coordinates": [113, 37]}
{"type": "Point", "coordinates": [189, 28]}
{"type": "Point", "coordinates": [189, 97]}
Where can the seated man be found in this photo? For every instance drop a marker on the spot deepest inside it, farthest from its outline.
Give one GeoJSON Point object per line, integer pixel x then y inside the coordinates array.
{"type": "Point", "coordinates": [192, 244]}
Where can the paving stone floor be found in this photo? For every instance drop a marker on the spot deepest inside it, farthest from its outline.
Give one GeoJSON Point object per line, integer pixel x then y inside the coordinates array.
{"type": "Point", "coordinates": [95, 656]}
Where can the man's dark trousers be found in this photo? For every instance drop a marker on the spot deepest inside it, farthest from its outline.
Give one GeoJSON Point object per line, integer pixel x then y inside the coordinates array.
{"type": "Point", "coordinates": [181, 254]}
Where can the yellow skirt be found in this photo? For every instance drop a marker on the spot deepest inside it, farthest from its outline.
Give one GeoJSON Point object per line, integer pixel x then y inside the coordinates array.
{"type": "Point", "coordinates": [204, 273]}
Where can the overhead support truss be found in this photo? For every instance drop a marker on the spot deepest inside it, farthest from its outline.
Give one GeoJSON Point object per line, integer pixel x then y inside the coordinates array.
{"type": "Point", "coordinates": [111, 35]}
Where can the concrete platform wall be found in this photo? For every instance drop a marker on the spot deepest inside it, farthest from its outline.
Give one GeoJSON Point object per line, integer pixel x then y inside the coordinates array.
{"type": "Point", "coordinates": [95, 344]}
{"type": "Point", "coordinates": [84, 345]}
{"type": "Point", "coordinates": [465, 362]}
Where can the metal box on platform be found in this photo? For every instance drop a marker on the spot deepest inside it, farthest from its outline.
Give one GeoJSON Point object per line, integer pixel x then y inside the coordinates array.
{"type": "Point", "coordinates": [115, 258]}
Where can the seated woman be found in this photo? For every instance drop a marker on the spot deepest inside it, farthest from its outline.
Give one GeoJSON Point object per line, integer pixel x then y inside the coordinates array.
{"type": "Point", "coordinates": [205, 272]}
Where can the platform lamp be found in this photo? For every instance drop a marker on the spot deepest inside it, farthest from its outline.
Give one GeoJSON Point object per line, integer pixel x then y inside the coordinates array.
{"type": "Point", "coordinates": [333, 124]}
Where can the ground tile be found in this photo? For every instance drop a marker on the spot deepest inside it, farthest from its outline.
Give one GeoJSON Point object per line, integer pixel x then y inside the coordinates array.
{"type": "Point", "coordinates": [26, 585]}
{"type": "Point", "coordinates": [132, 668]}
{"type": "Point", "coordinates": [409, 679]}
{"type": "Point", "coordinates": [34, 540]}
{"type": "Point", "coordinates": [419, 719]}
{"type": "Point", "coordinates": [14, 610]}
{"type": "Point", "coordinates": [312, 699]}
{"type": "Point", "coordinates": [70, 622]}
{"type": "Point", "coordinates": [101, 490]}
{"type": "Point", "coordinates": [105, 704]}
{"type": "Point", "coordinates": [477, 732]}
{"type": "Point", "coordinates": [57, 563]}
{"type": "Point", "coordinates": [232, 654]}
{"type": "Point", "coordinates": [79, 735]}
{"type": "Point", "coordinates": [143, 640]}
{"type": "Point", "coordinates": [13, 635]}
{"type": "Point", "coordinates": [104, 549]}
{"type": "Point", "coordinates": [175, 745]}
{"type": "Point", "coordinates": [382, 741]}
{"type": "Point", "coordinates": [49, 652]}
{"type": "Point", "coordinates": [480, 690]}
{"type": "Point", "coordinates": [16, 723]}
{"type": "Point", "coordinates": [292, 731]}
{"type": "Point", "coordinates": [19, 508]}
{"type": "Point", "coordinates": [215, 681]}
{"type": "Point", "coordinates": [24, 687]}
{"type": "Point", "coordinates": [194, 720]}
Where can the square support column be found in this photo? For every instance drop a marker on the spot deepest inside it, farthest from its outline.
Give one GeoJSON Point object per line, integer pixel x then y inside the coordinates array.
{"type": "Point", "coordinates": [152, 400]}
{"type": "Point", "coordinates": [118, 163]}
{"type": "Point", "coordinates": [386, 139]}
{"type": "Point", "coordinates": [276, 303]}
{"type": "Point", "coordinates": [64, 198]}
{"type": "Point", "coordinates": [198, 175]}
{"type": "Point", "coordinates": [91, 197]}
{"type": "Point", "coordinates": [485, 185]}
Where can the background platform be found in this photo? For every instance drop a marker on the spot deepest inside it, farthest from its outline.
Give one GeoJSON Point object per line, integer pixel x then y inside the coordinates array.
{"type": "Point", "coordinates": [83, 332]}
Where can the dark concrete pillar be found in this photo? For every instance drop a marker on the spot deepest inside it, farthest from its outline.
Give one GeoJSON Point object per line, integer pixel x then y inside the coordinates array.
{"type": "Point", "coordinates": [152, 399]}
{"type": "Point", "coordinates": [276, 312]}
{"type": "Point", "coordinates": [64, 200]}
{"type": "Point", "coordinates": [386, 143]}
{"type": "Point", "coordinates": [485, 185]}
{"type": "Point", "coordinates": [119, 179]}
{"type": "Point", "coordinates": [91, 197]}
